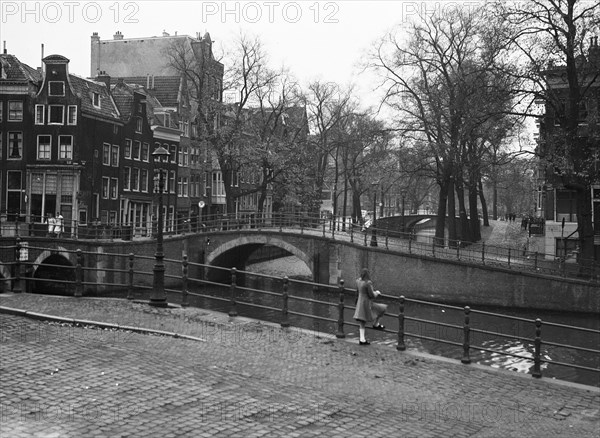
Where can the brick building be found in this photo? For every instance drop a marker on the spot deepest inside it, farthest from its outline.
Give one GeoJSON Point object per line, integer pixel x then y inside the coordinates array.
{"type": "Point", "coordinates": [557, 204]}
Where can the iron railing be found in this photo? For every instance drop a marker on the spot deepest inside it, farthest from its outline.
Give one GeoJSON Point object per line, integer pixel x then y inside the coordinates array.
{"type": "Point", "coordinates": [233, 293]}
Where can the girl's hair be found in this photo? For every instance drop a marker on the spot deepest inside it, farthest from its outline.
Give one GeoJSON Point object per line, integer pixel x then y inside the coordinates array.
{"type": "Point", "coordinates": [364, 274]}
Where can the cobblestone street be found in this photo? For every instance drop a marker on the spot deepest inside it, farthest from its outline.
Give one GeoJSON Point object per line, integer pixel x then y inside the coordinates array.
{"type": "Point", "coordinates": [238, 377]}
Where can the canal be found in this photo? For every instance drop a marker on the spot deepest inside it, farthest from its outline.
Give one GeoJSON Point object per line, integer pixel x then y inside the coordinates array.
{"type": "Point", "coordinates": [441, 314]}
{"type": "Point", "coordinates": [325, 313]}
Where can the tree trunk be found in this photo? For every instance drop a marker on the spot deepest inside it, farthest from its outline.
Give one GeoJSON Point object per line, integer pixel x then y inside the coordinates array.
{"type": "Point", "coordinates": [465, 231]}
{"type": "Point", "coordinates": [585, 231]}
{"type": "Point", "coordinates": [451, 215]}
{"type": "Point", "coordinates": [473, 212]}
{"type": "Point", "coordinates": [440, 225]}
{"type": "Point", "coordinates": [484, 209]}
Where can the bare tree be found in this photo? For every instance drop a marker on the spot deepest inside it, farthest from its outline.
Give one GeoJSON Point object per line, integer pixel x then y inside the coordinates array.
{"type": "Point", "coordinates": [549, 36]}
{"type": "Point", "coordinates": [439, 84]}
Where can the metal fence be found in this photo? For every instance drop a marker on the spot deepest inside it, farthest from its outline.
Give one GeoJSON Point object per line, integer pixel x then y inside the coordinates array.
{"type": "Point", "coordinates": [233, 293]}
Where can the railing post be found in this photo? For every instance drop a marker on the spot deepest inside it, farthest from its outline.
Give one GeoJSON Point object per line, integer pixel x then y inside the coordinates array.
{"type": "Point", "coordinates": [386, 239]}
{"type": "Point", "coordinates": [509, 257]}
{"type": "Point", "coordinates": [340, 330]}
{"type": "Point", "coordinates": [324, 228]}
{"type": "Point", "coordinates": [467, 336]}
{"type": "Point", "coordinates": [16, 287]}
{"type": "Point", "coordinates": [537, 371]}
{"type": "Point", "coordinates": [433, 247]}
{"type": "Point", "coordinates": [351, 233]}
{"type": "Point", "coordinates": [410, 243]}
{"type": "Point", "coordinates": [332, 228]}
{"type": "Point", "coordinates": [233, 311]}
{"type": "Point", "coordinates": [458, 249]}
{"type": "Point", "coordinates": [401, 346]}
{"type": "Point", "coordinates": [365, 237]}
{"type": "Point", "coordinates": [483, 253]}
{"type": "Point", "coordinates": [535, 260]}
{"type": "Point", "coordinates": [184, 283]}
{"type": "Point", "coordinates": [130, 282]}
{"type": "Point", "coordinates": [79, 274]}
{"type": "Point", "coordinates": [284, 307]}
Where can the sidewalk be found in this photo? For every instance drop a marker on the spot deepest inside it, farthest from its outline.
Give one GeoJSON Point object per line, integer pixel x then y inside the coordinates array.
{"type": "Point", "coordinates": [241, 377]}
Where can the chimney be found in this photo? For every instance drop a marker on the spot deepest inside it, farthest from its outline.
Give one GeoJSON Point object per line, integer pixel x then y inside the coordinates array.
{"type": "Point", "coordinates": [118, 35]}
{"type": "Point", "coordinates": [103, 77]}
{"type": "Point", "coordinates": [95, 37]}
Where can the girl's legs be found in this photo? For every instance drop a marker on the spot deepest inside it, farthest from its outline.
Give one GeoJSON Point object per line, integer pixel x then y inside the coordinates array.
{"type": "Point", "coordinates": [361, 331]}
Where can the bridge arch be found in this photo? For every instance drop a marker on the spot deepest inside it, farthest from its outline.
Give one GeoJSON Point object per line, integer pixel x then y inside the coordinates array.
{"type": "Point", "coordinates": [59, 278]}
{"type": "Point", "coordinates": [255, 240]}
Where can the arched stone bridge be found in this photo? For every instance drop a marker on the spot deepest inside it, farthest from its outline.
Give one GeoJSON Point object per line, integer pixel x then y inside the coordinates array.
{"type": "Point", "coordinates": [395, 273]}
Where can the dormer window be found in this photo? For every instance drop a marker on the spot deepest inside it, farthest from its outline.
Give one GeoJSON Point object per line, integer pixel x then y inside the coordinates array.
{"type": "Point", "coordinates": [138, 124]}
{"type": "Point", "coordinates": [96, 99]}
{"type": "Point", "coordinates": [56, 88]}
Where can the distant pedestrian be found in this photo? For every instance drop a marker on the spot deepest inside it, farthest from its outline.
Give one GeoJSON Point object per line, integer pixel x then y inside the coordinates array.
{"type": "Point", "coordinates": [50, 222]}
{"type": "Point", "coordinates": [366, 309]}
{"type": "Point", "coordinates": [58, 225]}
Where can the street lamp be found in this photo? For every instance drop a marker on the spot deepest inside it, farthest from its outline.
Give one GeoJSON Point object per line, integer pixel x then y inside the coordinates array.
{"type": "Point", "coordinates": [159, 297]}
{"type": "Point", "coordinates": [373, 224]}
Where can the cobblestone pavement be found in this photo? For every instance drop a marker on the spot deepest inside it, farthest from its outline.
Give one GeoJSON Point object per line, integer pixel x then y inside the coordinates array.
{"type": "Point", "coordinates": [240, 377]}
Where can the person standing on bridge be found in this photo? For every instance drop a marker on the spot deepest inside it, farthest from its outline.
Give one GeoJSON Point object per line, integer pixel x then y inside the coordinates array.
{"type": "Point", "coordinates": [50, 222]}
{"type": "Point", "coordinates": [58, 227]}
{"type": "Point", "coordinates": [366, 309]}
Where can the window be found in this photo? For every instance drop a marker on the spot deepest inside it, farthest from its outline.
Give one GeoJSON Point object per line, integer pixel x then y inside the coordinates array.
{"type": "Point", "coordinates": [144, 180]}
{"type": "Point", "coordinates": [65, 147]}
{"type": "Point", "coordinates": [105, 187]}
{"type": "Point", "coordinates": [137, 146]}
{"type": "Point", "coordinates": [126, 178]}
{"type": "Point", "coordinates": [138, 124]}
{"type": "Point", "coordinates": [56, 114]}
{"type": "Point", "coordinates": [114, 155]}
{"type": "Point", "coordinates": [96, 100]}
{"type": "Point", "coordinates": [15, 110]}
{"type": "Point", "coordinates": [39, 114]}
{"type": "Point", "coordinates": [135, 179]}
{"type": "Point", "coordinates": [127, 151]}
{"type": "Point", "coordinates": [583, 111]}
{"type": "Point", "coordinates": [173, 152]}
{"type": "Point", "coordinates": [56, 88]}
{"type": "Point", "coordinates": [114, 188]}
{"type": "Point", "coordinates": [13, 194]}
{"type": "Point", "coordinates": [146, 152]}
{"type": "Point", "coordinates": [106, 154]}
{"type": "Point", "coordinates": [15, 145]}
{"type": "Point", "coordinates": [44, 147]}
{"type": "Point", "coordinates": [179, 186]}
{"type": "Point", "coordinates": [185, 187]}
{"type": "Point", "coordinates": [1, 106]}
{"type": "Point", "coordinates": [172, 181]}
{"type": "Point", "coordinates": [72, 115]}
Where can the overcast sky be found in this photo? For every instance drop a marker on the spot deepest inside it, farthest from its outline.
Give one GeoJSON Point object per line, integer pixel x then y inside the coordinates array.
{"type": "Point", "coordinates": [315, 39]}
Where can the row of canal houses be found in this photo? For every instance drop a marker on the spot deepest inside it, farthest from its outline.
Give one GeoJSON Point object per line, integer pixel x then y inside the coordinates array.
{"type": "Point", "coordinates": [83, 147]}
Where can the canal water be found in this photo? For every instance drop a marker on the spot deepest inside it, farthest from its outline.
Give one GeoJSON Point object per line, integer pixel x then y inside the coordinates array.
{"type": "Point", "coordinates": [519, 342]}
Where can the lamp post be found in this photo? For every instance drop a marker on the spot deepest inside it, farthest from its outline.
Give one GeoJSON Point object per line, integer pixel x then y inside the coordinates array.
{"type": "Point", "coordinates": [373, 224]}
{"type": "Point", "coordinates": [159, 297]}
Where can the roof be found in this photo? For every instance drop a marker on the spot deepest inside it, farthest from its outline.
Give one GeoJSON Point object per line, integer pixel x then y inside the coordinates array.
{"type": "Point", "coordinates": [15, 70]}
{"type": "Point", "coordinates": [164, 88]}
{"type": "Point", "coordinates": [84, 88]}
